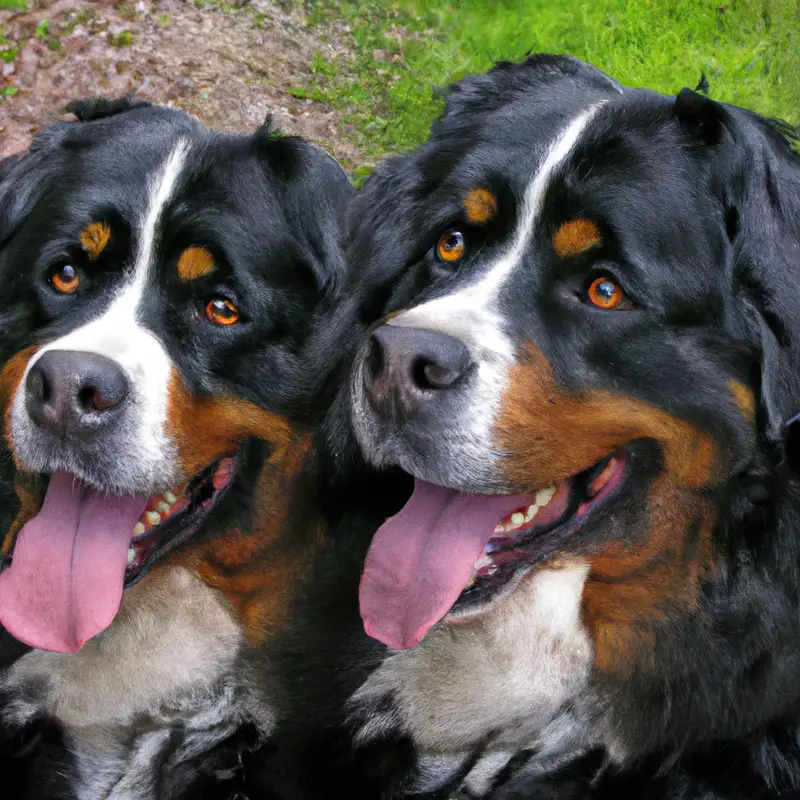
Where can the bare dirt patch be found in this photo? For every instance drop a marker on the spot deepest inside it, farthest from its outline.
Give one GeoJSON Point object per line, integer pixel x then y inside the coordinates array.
{"type": "Point", "coordinates": [231, 65]}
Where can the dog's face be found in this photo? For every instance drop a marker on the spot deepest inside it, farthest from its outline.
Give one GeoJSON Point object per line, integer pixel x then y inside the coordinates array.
{"type": "Point", "coordinates": [163, 282]}
{"type": "Point", "coordinates": [584, 298]}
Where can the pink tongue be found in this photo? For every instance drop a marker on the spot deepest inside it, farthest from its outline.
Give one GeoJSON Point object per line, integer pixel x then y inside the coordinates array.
{"type": "Point", "coordinates": [421, 559]}
{"type": "Point", "coordinates": [64, 585]}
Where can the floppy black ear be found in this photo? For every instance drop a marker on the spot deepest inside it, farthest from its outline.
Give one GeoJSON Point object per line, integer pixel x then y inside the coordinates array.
{"type": "Point", "coordinates": [23, 178]}
{"type": "Point", "coordinates": [755, 177]}
{"type": "Point", "coordinates": [5, 166]}
{"type": "Point", "coordinates": [101, 107]}
{"type": "Point", "coordinates": [316, 195]}
{"type": "Point", "coordinates": [484, 93]}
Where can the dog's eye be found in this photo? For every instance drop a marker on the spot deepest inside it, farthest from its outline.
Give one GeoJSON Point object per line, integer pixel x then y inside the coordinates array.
{"type": "Point", "coordinates": [606, 293]}
{"type": "Point", "coordinates": [222, 311]}
{"type": "Point", "coordinates": [451, 247]}
{"type": "Point", "coordinates": [65, 279]}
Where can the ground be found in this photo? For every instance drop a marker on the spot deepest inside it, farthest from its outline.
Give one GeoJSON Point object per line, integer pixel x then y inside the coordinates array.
{"type": "Point", "coordinates": [365, 77]}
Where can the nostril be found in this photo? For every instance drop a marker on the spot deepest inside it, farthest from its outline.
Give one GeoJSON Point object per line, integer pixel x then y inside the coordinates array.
{"type": "Point", "coordinates": [101, 398]}
{"type": "Point", "coordinates": [89, 400]}
{"type": "Point", "coordinates": [71, 392]}
{"type": "Point", "coordinates": [39, 386]}
{"type": "Point", "coordinates": [430, 375]}
{"type": "Point", "coordinates": [375, 360]}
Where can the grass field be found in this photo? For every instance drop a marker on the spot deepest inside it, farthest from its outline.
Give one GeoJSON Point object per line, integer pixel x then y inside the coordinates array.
{"type": "Point", "coordinates": [402, 53]}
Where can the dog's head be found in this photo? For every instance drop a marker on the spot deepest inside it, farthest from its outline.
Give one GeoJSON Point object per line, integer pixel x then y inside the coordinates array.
{"type": "Point", "coordinates": [163, 284]}
{"type": "Point", "coordinates": [589, 346]}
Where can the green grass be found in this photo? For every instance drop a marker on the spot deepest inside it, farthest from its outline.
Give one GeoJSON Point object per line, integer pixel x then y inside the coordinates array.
{"type": "Point", "coordinates": [404, 52]}
{"type": "Point", "coordinates": [14, 4]}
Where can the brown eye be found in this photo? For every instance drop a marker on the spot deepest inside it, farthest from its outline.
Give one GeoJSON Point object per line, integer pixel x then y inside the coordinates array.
{"type": "Point", "coordinates": [605, 293]}
{"type": "Point", "coordinates": [65, 279]}
{"type": "Point", "coordinates": [451, 247]}
{"type": "Point", "coordinates": [222, 311]}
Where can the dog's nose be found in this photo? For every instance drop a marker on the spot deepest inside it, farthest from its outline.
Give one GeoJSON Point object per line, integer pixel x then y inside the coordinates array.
{"type": "Point", "coordinates": [73, 392]}
{"type": "Point", "coordinates": [412, 366]}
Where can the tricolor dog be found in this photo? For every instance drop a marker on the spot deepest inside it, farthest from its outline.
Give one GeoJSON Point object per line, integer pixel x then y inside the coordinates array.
{"type": "Point", "coordinates": [588, 354]}
{"type": "Point", "coordinates": [168, 349]}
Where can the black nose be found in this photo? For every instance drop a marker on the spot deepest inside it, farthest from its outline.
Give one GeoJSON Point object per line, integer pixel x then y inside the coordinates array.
{"type": "Point", "coordinates": [411, 365]}
{"type": "Point", "coordinates": [73, 392]}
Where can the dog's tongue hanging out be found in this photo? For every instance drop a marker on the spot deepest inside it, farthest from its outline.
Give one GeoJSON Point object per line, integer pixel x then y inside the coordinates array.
{"type": "Point", "coordinates": [421, 559]}
{"type": "Point", "coordinates": [65, 582]}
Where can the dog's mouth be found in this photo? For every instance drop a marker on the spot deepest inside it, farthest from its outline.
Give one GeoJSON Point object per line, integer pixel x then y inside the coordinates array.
{"type": "Point", "coordinates": [170, 518]}
{"type": "Point", "coordinates": [447, 552]}
{"type": "Point", "coordinates": [72, 560]}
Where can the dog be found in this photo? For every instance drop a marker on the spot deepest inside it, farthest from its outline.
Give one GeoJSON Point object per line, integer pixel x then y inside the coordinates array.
{"type": "Point", "coordinates": [168, 355]}
{"type": "Point", "coordinates": [588, 361]}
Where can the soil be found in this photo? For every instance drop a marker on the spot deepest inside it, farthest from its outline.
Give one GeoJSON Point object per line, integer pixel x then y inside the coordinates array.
{"type": "Point", "coordinates": [231, 65]}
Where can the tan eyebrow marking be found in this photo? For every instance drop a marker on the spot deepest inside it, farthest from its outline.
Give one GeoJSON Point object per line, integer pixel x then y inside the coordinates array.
{"type": "Point", "coordinates": [480, 205]}
{"type": "Point", "coordinates": [94, 238]}
{"type": "Point", "coordinates": [195, 262]}
{"type": "Point", "coordinates": [576, 237]}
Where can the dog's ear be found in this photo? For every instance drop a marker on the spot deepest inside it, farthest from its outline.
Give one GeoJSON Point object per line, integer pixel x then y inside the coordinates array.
{"type": "Point", "coordinates": [25, 178]}
{"type": "Point", "coordinates": [754, 175]}
{"type": "Point", "coordinates": [5, 166]}
{"type": "Point", "coordinates": [482, 94]}
{"type": "Point", "coordinates": [316, 195]}
{"type": "Point", "coordinates": [101, 107]}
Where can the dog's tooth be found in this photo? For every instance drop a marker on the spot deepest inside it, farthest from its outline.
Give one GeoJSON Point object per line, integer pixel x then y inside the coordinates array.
{"type": "Point", "coordinates": [139, 529]}
{"type": "Point", "coordinates": [531, 512]}
{"type": "Point", "coordinates": [500, 527]}
{"type": "Point", "coordinates": [163, 508]}
{"type": "Point", "coordinates": [131, 555]}
{"type": "Point", "coordinates": [517, 518]}
{"type": "Point", "coordinates": [484, 561]}
{"type": "Point", "coordinates": [170, 498]}
{"type": "Point", "coordinates": [544, 496]}
{"type": "Point", "coordinates": [153, 517]}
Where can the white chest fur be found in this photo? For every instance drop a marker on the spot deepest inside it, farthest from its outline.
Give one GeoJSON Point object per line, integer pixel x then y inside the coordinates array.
{"type": "Point", "coordinates": [507, 676]}
{"type": "Point", "coordinates": [163, 662]}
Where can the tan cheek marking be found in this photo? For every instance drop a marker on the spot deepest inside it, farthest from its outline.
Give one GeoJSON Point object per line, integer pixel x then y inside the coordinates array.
{"type": "Point", "coordinates": [480, 206]}
{"type": "Point", "coordinates": [10, 380]}
{"type": "Point", "coordinates": [27, 490]}
{"type": "Point", "coordinates": [94, 239]}
{"type": "Point", "coordinates": [574, 238]}
{"type": "Point", "coordinates": [194, 263]}
{"type": "Point", "coordinates": [30, 499]}
{"type": "Point", "coordinates": [205, 428]}
{"type": "Point", "coordinates": [631, 585]}
{"type": "Point", "coordinates": [259, 570]}
{"type": "Point", "coordinates": [567, 433]}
